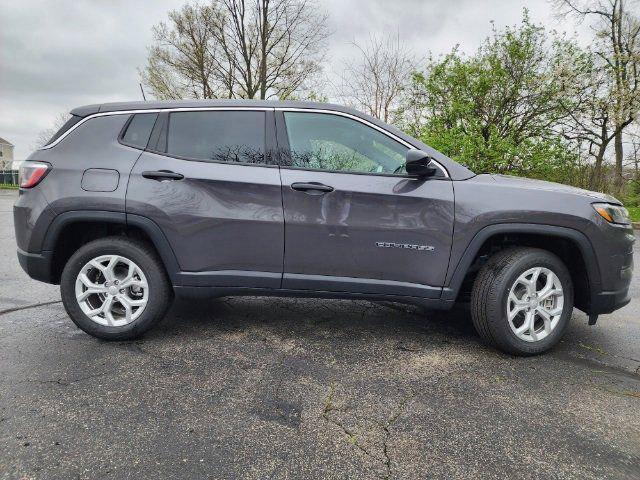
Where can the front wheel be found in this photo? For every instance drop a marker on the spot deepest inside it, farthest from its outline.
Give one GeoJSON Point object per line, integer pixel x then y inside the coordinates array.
{"type": "Point", "coordinates": [522, 300]}
{"type": "Point", "coordinates": [115, 288]}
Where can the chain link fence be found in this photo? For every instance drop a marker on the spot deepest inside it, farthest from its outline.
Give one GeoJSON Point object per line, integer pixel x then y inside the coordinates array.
{"type": "Point", "coordinates": [9, 177]}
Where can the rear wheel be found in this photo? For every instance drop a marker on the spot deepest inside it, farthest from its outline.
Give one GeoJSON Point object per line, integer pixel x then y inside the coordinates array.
{"type": "Point", "coordinates": [115, 288]}
{"type": "Point", "coordinates": [522, 300]}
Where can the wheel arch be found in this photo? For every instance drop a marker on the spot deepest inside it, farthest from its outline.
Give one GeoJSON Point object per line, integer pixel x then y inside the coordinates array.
{"type": "Point", "coordinates": [64, 226]}
{"type": "Point", "coordinates": [530, 235]}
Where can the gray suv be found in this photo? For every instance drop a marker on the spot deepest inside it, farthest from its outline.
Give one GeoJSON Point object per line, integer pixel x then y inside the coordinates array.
{"type": "Point", "coordinates": [131, 203]}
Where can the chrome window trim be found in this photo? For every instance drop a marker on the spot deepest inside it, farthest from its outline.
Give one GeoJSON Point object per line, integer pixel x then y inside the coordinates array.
{"type": "Point", "coordinates": [259, 109]}
{"type": "Point", "coordinates": [363, 121]}
{"type": "Point", "coordinates": [149, 110]}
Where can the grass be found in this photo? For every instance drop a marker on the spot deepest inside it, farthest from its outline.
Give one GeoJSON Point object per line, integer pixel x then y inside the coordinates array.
{"type": "Point", "coordinates": [8, 186]}
{"type": "Point", "coordinates": [634, 212]}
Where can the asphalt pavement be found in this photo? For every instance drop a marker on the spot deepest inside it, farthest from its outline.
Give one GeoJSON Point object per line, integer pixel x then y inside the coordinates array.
{"type": "Point", "coordinates": [263, 388]}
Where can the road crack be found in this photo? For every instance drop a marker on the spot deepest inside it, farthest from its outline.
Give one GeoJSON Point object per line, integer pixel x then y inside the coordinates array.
{"type": "Point", "coordinates": [26, 307]}
{"type": "Point", "coordinates": [603, 352]}
{"type": "Point", "coordinates": [387, 430]}
{"type": "Point", "coordinates": [352, 436]}
{"type": "Point", "coordinates": [66, 382]}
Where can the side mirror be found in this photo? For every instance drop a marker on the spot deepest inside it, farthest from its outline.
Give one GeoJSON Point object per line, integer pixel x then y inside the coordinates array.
{"type": "Point", "coordinates": [419, 164]}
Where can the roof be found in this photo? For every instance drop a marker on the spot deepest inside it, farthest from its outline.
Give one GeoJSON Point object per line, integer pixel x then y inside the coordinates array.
{"type": "Point", "coordinates": [5, 142]}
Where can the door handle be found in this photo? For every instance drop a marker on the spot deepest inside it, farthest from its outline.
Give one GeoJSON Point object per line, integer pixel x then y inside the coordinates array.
{"type": "Point", "coordinates": [162, 175]}
{"type": "Point", "coordinates": [313, 188]}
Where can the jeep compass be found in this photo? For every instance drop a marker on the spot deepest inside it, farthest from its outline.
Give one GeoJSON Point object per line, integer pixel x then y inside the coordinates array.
{"type": "Point", "coordinates": [131, 203]}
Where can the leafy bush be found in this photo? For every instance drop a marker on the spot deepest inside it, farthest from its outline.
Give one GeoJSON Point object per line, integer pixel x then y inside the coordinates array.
{"type": "Point", "coordinates": [500, 110]}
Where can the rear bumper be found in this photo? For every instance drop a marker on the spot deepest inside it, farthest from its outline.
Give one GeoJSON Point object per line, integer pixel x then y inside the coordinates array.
{"type": "Point", "coordinates": [36, 265]}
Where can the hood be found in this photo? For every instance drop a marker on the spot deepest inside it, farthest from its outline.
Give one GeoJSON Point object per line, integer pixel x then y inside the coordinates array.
{"type": "Point", "coordinates": [543, 185]}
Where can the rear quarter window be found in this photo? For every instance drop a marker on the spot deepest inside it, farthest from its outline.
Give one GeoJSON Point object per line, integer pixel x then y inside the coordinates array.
{"type": "Point", "coordinates": [73, 119]}
{"type": "Point", "coordinates": [217, 136]}
{"type": "Point", "coordinates": [138, 130]}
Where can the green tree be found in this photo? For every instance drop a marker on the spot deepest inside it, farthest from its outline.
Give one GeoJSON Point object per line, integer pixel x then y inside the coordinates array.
{"type": "Point", "coordinates": [498, 110]}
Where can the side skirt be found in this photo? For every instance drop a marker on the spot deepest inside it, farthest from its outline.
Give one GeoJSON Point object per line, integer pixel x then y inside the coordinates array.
{"type": "Point", "coordinates": [216, 292]}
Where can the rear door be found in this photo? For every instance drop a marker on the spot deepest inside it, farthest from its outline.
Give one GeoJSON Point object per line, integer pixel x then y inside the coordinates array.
{"type": "Point", "coordinates": [354, 220]}
{"type": "Point", "coordinates": [208, 181]}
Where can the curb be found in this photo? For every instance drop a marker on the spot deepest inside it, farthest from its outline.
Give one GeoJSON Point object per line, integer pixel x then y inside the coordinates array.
{"type": "Point", "coordinates": [636, 225]}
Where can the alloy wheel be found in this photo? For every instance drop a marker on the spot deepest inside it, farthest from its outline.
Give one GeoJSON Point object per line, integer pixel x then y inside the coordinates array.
{"type": "Point", "coordinates": [112, 290]}
{"type": "Point", "coordinates": [535, 304]}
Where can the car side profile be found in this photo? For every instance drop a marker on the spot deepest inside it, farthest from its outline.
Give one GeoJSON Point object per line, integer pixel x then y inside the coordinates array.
{"type": "Point", "coordinates": [131, 203]}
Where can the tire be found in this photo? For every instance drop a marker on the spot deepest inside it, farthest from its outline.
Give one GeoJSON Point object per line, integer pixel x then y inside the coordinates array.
{"type": "Point", "coordinates": [148, 283]}
{"type": "Point", "coordinates": [490, 299]}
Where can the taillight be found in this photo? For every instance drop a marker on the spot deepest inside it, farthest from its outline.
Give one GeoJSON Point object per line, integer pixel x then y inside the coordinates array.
{"type": "Point", "coordinates": [32, 173]}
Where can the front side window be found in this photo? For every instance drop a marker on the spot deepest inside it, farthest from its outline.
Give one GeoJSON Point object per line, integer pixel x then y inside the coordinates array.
{"type": "Point", "coordinates": [321, 141]}
{"type": "Point", "coordinates": [218, 136]}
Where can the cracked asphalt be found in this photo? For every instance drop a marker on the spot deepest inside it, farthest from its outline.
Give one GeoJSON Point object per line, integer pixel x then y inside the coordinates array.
{"type": "Point", "coordinates": [295, 388]}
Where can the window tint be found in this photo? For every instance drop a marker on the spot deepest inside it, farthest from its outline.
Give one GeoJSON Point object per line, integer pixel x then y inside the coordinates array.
{"type": "Point", "coordinates": [223, 136]}
{"type": "Point", "coordinates": [71, 121]}
{"type": "Point", "coordinates": [331, 142]}
{"type": "Point", "coordinates": [139, 129]}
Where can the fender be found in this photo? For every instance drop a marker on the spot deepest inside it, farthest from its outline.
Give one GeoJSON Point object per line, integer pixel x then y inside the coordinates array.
{"type": "Point", "coordinates": [147, 225]}
{"type": "Point", "coordinates": [450, 291]}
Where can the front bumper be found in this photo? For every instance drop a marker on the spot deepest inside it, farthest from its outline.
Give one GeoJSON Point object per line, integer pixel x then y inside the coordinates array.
{"type": "Point", "coordinates": [615, 246]}
{"type": "Point", "coordinates": [607, 302]}
{"type": "Point", "coordinates": [37, 265]}
{"type": "Point", "coordinates": [618, 294]}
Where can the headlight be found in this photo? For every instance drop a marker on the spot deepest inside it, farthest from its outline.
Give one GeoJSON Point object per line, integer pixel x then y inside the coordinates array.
{"type": "Point", "coordinates": [613, 213]}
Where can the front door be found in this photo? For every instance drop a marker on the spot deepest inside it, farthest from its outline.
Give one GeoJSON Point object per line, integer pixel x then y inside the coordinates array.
{"type": "Point", "coordinates": [207, 181]}
{"type": "Point", "coordinates": [354, 221]}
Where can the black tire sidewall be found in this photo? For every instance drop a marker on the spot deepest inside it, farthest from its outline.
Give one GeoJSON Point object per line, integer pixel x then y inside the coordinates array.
{"type": "Point", "coordinates": [497, 310]}
{"type": "Point", "coordinates": [159, 289]}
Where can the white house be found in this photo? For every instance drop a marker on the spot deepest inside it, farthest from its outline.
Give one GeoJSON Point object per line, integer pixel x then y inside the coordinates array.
{"type": "Point", "coordinates": [6, 154]}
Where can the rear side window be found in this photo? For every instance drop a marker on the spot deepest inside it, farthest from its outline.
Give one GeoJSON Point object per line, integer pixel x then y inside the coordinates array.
{"type": "Point", "coordinates": [218, 136]}
{"type": "Point", "coordinates": [139, 129]}
{"type": "Point", "coordinates": [73, 119]}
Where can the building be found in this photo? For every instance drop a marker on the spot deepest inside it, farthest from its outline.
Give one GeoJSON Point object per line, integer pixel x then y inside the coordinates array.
{"type": "Point", "coordinates": [6, 154]}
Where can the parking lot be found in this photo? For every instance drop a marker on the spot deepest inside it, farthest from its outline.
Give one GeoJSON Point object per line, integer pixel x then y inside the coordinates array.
{"type": "Point", "coordinates": [303, 388]}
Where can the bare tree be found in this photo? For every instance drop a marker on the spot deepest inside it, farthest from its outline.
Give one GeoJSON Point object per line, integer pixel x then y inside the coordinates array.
{"type": "Point", "coordinates": [588, 122]}
{"type": "Point", "coordinates": [180, 62]}
{"type": "Point", "coordinates": [376, 81]}
{"type": "Point", "coordinates": [45, 135]}
{"type": "Point", "coordinates": [617, 50]}
{"type": "Point", "coordinates": [633, 157]}
{"type": "Point", "coordinates": [236, 49]}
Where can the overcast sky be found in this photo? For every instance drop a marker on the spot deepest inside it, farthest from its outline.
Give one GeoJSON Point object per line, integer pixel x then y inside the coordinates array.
{"type": "Point", "coordinates": [55, 56]}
